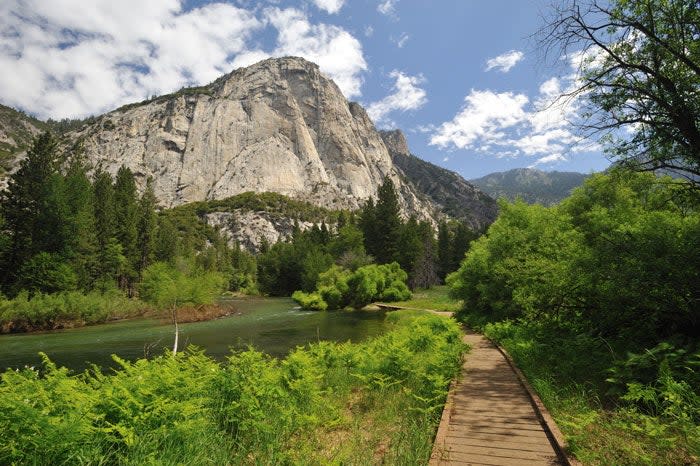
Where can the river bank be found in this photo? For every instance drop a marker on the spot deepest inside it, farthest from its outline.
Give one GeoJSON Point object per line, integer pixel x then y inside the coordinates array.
{"type": "Point", "coordinates": [60, 311]}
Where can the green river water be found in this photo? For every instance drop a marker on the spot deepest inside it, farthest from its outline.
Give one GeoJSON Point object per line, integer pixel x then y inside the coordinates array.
{"type": "Point", "coordinates": [272, 325]}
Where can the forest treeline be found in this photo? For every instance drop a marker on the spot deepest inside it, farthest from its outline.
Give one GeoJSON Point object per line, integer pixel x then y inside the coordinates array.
{"type": "Point", "coordinates": [74, 239]}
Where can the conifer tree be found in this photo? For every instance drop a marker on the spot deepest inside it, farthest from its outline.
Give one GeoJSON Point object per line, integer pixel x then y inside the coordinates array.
{"type": "Point", "coordinates": [33, 208]}
{"type": "Point", "coordinates": [460, 245]}
{"type": "Point", "coordinates": [82, 240]}
{"type": "Point", "coordinates": [146, 228]}
{"type": "Point", "coordinates": [110, 258]}
{"type": "Point", "coordinates": [388, 223]}
{"type": "Point", "coordinates": [368, 224]}
{"type": "Point", "coordinates": [444, 250]}
{"type": "Point", "coordinates": [126, 225]}
{"type": "Point", "coordinates": [167, 240]}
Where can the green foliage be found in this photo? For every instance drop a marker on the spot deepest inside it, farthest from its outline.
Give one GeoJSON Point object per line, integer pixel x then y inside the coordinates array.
{"type": "Point", "coordinates": [33, 208]}
{"type": "Point", "coordinates": [620, 255]}
{"type": "Point", "coordinates": [48, 311]}
{"type": "Point", "coordinates": [48, 273]}
{"type": "Point", "coordinates": [338, 287]}
{"type": "Point", "coordinates": [273, 203]}
{"type": "Point", "coordinates": [251, 409]}
{"type": "Point", "coordinates": [600, 293]}
{"type": "Point", "coordinates": [639, 76]}
{"type": "Point", "coordinates": [652, 423]}
{"type": "Point", "coordinates": [166, 286]}
{"type": "Point", "coordinates": [310, 301]}
{"type": "Point", "coordinates": [146, 228]}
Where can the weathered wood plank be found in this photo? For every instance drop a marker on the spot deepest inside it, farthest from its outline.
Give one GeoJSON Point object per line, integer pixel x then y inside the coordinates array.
{"type": "Point", "coordinates": [489, 417]}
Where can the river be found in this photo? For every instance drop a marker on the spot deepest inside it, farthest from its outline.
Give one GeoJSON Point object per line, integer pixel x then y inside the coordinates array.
{"type": "Point", "coordinates": [272, 325]}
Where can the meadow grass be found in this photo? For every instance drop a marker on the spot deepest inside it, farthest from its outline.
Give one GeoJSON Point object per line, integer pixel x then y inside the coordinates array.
{"type": "Point", "coordinates": [436, 298]}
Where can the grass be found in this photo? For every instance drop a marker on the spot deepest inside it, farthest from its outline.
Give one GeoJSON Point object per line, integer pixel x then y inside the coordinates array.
{"type": "Point", "coordinates": [569, 373]}
{"type": "Point", "coordinates": [377, 402]}
{"type": "Point", "coordinates": [436, 298]}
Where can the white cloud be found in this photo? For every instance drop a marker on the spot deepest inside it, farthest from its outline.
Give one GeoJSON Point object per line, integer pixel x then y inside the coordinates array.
{"type": "Point", "coordinates": [481, 120]}
{"type": "Point", "coordinates": [71, 58]}
{"type": "Point", "coordinates": [369, 31]}
{"type": "Point", "coordinates": [387, 7]}
{"type": "Point", "coordinates": [548, 159]}
{"type": "Point", "coordinates": [504, 62]}
{"type": "Point", "coordinates": [512, 125]}
{"type": "Point", "coordinates": [401, 41]}
{"type": "Point", "coordinates": [407, 95]}
{"type": "Point", "coordinates": [330, 6]}
{"type": "Point", "coordinates": [335, 50]}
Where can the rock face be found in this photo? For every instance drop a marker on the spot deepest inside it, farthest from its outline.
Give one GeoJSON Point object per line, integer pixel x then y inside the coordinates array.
{"type": "Point", "coordinates": [249, 228]}
{"type": "Point", "coordinates": [530, 185]}
{"type": "Point", "coordinates": [447, 190]}
{"type": "Point", "coordinates": [278, 125]}
{"type": "Point", "coordinates": [16, 133]}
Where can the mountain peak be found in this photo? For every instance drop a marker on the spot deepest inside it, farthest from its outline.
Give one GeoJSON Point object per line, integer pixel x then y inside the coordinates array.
{"type": "Point", "coordinates": [395, 141]}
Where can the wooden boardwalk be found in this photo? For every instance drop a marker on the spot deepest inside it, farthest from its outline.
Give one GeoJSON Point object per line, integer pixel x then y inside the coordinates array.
{"type": "Point", "coordinates": [489, 418]}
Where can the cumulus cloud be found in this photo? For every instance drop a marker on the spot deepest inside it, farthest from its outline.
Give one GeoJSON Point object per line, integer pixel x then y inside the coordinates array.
{"type": "Point", "coordinates": [513, 125]}
{"type": "Point", "coordinates": [336, 51]}
{"type": "Point", "coordinates": [330, 6]}
{"type": "Point", "coordinates": [482, 119]}
{"type": "Point", "coordinates": [406, 95]}
{"type": "Point", "coordinates": [71, 58]}
{"type": "Point", "coordinates": [504, 62]}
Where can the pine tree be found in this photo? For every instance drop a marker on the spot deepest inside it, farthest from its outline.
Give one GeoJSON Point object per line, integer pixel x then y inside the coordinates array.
{"type": "Point", "coordinates": [167, 240]}
{"type": "Point", "coordinates": [110, 258]}
{"type": "Point", "coordinates": [126, 225]}
{"type": "Point", "coordinates": [424, 273]}
{"type": "Point", "coordinates": [82, 240]}
{"type": "Point", "coordinates": [368, 224]}
{"type": "Point", "coordinates": [104, 208]}
{"type": "Point", "coordinates": [444, 250]}
{"type": "Point", "coordinates": [33, 208]}
{"type": "Point", "coordinates": [388, 223]}
{"type": "Point", "coordinates": [410, 244]}
{"type": "Point", "coordinates": [146, 228]}
{"type": "Point", "coordinates": [460, 245]}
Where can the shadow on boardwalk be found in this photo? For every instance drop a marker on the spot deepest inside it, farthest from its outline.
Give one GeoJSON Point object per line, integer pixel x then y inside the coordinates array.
{"type": "Point", "coordinates": [489, 417]}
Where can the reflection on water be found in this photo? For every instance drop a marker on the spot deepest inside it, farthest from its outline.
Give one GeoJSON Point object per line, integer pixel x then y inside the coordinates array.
{"type": "Point", "coordinates": [273, 325]}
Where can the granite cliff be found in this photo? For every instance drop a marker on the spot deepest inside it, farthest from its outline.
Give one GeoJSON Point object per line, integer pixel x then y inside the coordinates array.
{"type": "Point", "coordinates": [277, 126]}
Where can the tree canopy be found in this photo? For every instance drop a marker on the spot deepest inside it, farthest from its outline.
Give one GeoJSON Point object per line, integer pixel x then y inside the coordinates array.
{"type": "Point", "coordinates": [639, 76]}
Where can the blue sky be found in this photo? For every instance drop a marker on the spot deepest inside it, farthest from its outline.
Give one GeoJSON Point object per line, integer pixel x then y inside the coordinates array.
{"type": "Point", "coordinates": [461, 78]}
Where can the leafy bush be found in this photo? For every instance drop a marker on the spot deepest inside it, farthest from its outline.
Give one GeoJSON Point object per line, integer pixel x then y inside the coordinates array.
{"type": "Point", "coordinates": [166, 286]}
{"type": "Point", "coordinates": [338, 287]}
{"type": "Point", "coordinates": [310, 301]}
{"type": "Point", "coordinates": [49, 311]}
{"type": "Point", "coordinates": [595, 299]}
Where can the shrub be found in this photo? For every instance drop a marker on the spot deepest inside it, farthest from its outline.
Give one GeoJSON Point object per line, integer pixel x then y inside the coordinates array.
{"type": "Point", "coordinates": [338, 287]}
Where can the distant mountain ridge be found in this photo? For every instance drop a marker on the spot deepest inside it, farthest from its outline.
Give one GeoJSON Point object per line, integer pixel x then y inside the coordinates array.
{"type": "Point", "coordinates": [531, 185]}
{"type": "Point", "coordinates": [455, 196]}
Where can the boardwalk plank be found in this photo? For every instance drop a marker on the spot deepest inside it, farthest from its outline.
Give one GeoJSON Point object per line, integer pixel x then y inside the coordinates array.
{"type": "Point", "coordinates": [489, 418]}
